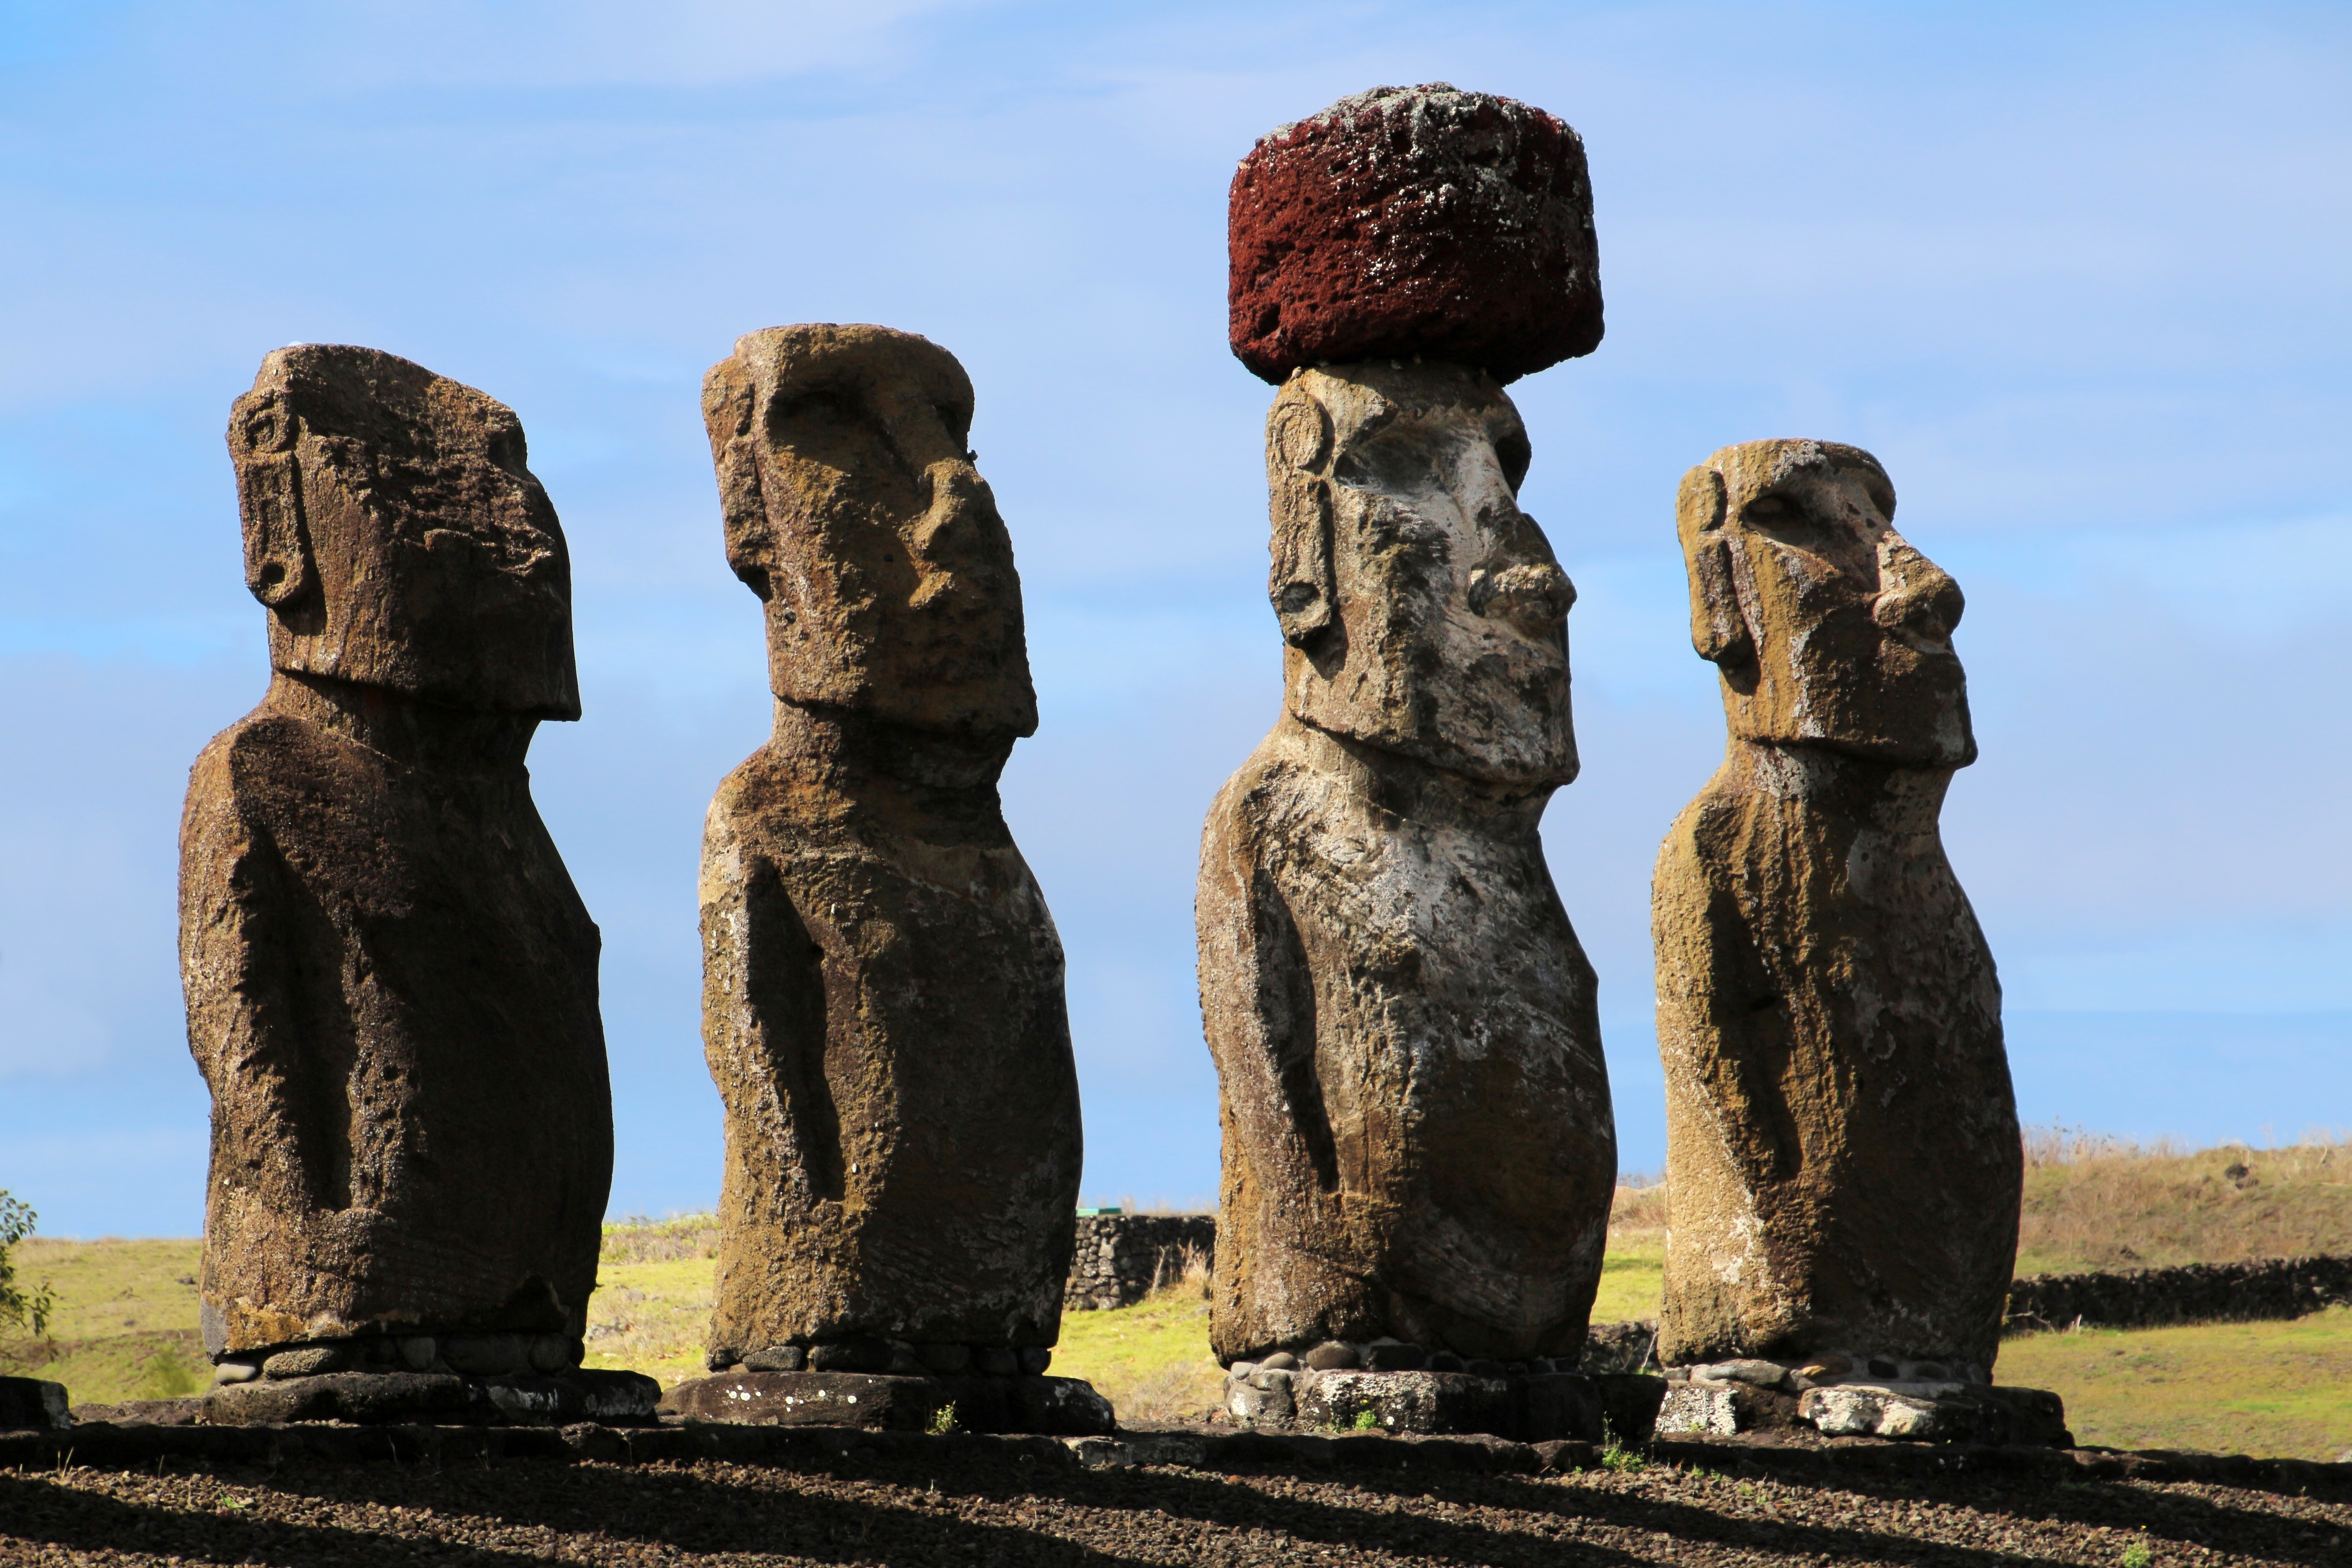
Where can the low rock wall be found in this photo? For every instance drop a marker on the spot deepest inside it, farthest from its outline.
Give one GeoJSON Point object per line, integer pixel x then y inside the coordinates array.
{"type": "Point", "coordinates": [2196, 1292]}
{"type": "Point", "coordinates": [1121, 1256]}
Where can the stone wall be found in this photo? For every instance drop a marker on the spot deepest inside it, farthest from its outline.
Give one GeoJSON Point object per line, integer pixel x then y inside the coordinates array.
{"type": "Point", "coordinates": [2196, 1292]}
{"type": "Point", "coordinates": [1121, 1256]}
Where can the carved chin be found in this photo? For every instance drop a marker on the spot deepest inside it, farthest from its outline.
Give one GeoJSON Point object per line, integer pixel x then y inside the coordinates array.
{"type": "Point", "coordinates": [1504, 740]}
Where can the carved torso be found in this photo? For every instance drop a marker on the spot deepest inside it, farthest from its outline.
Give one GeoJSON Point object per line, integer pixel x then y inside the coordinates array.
{"type": "Point", "coordinates": [1843, 1157]}
{"type": "Point", "coordinates": [392, 992]}
{"type": "Point", "coordinates": [1418, 1129]}
{"type": "Point", "coordinates": [883, 1013]}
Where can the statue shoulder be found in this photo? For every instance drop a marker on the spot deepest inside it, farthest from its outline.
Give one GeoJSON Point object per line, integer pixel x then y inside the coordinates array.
{"type": "Point", "coordinates": [266, 763]}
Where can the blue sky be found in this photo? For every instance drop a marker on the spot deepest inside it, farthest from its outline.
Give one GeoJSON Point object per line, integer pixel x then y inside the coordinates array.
{"type": "Point", "coordinates": [2076, 275]}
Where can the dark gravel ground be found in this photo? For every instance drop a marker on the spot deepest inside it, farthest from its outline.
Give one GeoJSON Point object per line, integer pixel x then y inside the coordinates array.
{"type": "Point", "coordinates": [990, 1509]}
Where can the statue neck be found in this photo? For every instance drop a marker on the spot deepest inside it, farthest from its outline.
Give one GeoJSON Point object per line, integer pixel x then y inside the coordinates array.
{"type": "Point", "coordinates": [1888, 796]}
{"type": "Point", "coordinates": [854, 754]}
{"type": "Point", "coordinates": [1408, 787]}
{"type": "Point", "coordinates": [397, 726]}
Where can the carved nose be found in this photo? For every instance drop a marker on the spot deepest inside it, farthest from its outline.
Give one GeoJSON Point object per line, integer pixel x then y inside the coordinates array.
{"type": "Point", "coordinates": [1534, 597]}
{"type": "Point", "coordinates": [1915, 595]}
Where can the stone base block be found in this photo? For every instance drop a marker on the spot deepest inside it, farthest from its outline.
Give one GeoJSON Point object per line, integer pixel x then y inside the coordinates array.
{"type": "Point", "coordinates": [1723, 1409]}
{"type": "Point", "coordinates": [185, 1411]}
{"type": "Point", "coordinates": [1939, 1413]}
{"type": "Point", "coordinates": [1062, 1406]}
{"type": "Point", "coordinates": [1526, 1407]}
{"type": "Point", "coordinates": [32, 1401]}
{"type": "Point", "coordinates": [441, 1398]}
{"type": "Point", "coordinates": [1922, 1412]}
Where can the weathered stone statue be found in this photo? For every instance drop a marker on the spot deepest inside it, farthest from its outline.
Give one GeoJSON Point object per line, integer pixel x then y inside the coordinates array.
{"type": "Point", "coordinates": [1419, 1152]}
{"type": "Point", "coordinates": [391, 983]}
{"type": "Point", "coordinates": [1842, 1157]}
{"type": "Point", "coordinates": [882, 1002]}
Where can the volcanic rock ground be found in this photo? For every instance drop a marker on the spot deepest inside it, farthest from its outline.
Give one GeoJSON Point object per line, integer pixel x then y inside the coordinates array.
{"type": "Point", "coordinates": [979, 1507]}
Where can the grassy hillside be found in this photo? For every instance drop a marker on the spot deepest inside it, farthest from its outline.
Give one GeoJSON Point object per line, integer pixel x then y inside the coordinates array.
{"type": "Point", "coordinates": [2095, 1202]}
{"type": "Point", "coordinates": [125, 1321]}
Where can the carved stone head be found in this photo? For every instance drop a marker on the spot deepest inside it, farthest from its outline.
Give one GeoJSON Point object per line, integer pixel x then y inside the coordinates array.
{"type": "Point", "coordinates": [1423, 610]}
{"type": "Point", "coordinates": [1828, 626]}
{"type": "Point", "coordinates": [854, 510]}
{"type": "Point", "coordinates": [394, 530]}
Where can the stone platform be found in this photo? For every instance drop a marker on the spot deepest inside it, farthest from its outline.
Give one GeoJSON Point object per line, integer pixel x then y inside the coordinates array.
{"type": "Point", "coordinates": [894, 1401]}
{"type": "Point", "coordinates": [1522, 1407]}
{"type": "Point", "coordinates": [378, 1398]}
{"type": "Point", "coordinates": [146, 1444]}
{"type": "Point", "coordinates": [1729, 1398]}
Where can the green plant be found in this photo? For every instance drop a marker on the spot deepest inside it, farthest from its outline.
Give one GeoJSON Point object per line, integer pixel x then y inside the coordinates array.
{"type": "Point", "coordinates": [26, 1311]}
{"type": "Point", "coordinates": [2137, 1555]}
{"type": "Point", "coordinates": [943, 1419]}
{"type": "Point", "coordinates": [1614, 1454]}
{"type": "Point", "coordinates": [1366, 1422]}
{"type": "Point", "coordinates": [170, 1375]}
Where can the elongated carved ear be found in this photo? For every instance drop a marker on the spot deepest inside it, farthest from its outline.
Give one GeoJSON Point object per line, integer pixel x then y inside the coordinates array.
{"type": "Point", "coordinates": [1300, 585]}
{"type": "Point", "coordinates": [1719, 631]}
{"type": "Point", "coordinates": [730, 413]}
{"type": "Point", "coordinates": [277, 542]}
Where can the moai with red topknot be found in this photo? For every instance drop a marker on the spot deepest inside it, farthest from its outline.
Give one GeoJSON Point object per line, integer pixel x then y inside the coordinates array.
{"type": "Point", "coordinates": [1419, 1150]}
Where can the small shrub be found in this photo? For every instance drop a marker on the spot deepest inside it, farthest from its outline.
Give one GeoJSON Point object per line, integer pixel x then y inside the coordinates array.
{"type": "Point", "coordinates": [1366, 1422]}
{"type": "Point", "coordinates": [943, 1419]}
{"type": "Point", "coordinates": [1614, 1454]}
{"type": "Point", "coordinates": [2137, 1555]}
{"type": "Point", "coordinates": [169, 1373]}
{"type": "Point", "coordinates": [1193, 1275]}
{"type": "Point", "coordinates": [31, 1310]}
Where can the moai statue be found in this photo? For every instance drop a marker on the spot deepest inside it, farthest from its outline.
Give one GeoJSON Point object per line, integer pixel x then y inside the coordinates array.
{"type": "Point", "coordinates": [391, 982]}
{"type": "Point", "coordinates": [882, 982]}
{"type": "Point", "coordinates": [1419, 1154]}
{"type": "Point", "coordinates": [1842, 1160]}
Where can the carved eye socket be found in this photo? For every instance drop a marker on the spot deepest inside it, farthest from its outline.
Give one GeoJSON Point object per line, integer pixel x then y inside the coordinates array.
{"type": "Point", "coordinates": [1791, 525]}
{"type": "Point", "coordinates": [1512, 448]}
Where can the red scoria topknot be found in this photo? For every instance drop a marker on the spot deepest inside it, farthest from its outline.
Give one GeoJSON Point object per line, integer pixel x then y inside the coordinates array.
{"type": "Point", "coordinates": [1404, 221]}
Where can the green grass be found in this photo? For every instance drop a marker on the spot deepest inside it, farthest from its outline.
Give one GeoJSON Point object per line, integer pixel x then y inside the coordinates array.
{"type": "Point", "coordinates": [1633, 1277]}
{"type": "Point", "coordinates": [2283, 1389]}
{"type": "Point", "coordinates": [653, 1317]}
{"type": "Point", "coordinates": [1152, 1361]}
{"type": "Point", "coordinates": [124, 1326]}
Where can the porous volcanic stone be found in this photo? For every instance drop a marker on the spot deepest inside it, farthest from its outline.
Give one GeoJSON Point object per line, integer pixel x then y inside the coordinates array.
{"type": "Point", "coordinates": [379, 1398]}
{"type": "Point", "coordinates": [1526, 1408]}
{"type": "Point", "coordinates": [1408, 221]}
{"type": "Point", "coordinates": [1418, 1141]}
{"type": "Point", "coordinates": [882, 982]}
{"type": "Point", "coordinates": [1063, 1406]}
{"type": "Point", "coordinates": [33, 1402]}
{"type": "Point", "coordinates": [391, 983]}
{"type": "Point", "coordinates": [1843, 1164]}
